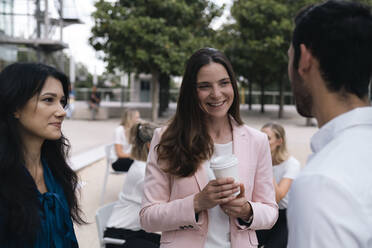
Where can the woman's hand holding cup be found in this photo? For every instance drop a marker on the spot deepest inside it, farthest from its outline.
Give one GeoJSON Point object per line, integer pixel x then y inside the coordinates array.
{"type": "Point", "coordinates": [225, 166]}
{"type": "Point", "coordinates": [216, 192]}
{"type": "Point", "coordinates": [238, 207]}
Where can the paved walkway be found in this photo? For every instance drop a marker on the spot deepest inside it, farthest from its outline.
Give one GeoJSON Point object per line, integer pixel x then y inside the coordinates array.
{"type": "Point", "coordinates": [89, 137]}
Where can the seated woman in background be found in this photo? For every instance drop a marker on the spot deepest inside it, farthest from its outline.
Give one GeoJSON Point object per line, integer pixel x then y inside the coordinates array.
{"type": "Point", "coordinates": [124, 220]}
{"type": "Point", "coordinates": [122, 145]}
{"type": "Point", "coordinates": [38, 188]}
{"type": "Point", "coordinates": [285, 169]}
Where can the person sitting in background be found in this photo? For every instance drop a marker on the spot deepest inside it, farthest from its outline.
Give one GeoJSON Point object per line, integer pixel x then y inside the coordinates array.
{"type": "Point", "coordinates": [124, 220]}
{"type": "Point", "coordinates": [285, 169]}
{"type": "Point", "coordinates": [122, 144]}
{"type": "Point", "coordinates": [38, 199]}
{"type": "Point", "coordinates": [94, 101]}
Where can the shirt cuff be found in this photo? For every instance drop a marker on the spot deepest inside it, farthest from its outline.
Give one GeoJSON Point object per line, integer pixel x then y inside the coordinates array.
{"type": "Point", "coordinates": [245, 222]}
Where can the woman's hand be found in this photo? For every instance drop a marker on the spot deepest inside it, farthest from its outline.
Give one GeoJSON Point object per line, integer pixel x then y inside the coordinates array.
{"type": "Point", "coordinates": [239, 207]}
{"type": "Point", "coordinates": [216, 192]}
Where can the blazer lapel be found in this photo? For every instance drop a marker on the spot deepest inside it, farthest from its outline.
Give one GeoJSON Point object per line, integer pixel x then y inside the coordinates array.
{"type": "Point", "coordinates": [240, 145]}
{"type": "Point", "coordinates": [238, 138]}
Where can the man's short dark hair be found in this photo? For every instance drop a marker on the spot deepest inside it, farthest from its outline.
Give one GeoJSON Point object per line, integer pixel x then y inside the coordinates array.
{"type": "Point", "coordinates": [339, 35]}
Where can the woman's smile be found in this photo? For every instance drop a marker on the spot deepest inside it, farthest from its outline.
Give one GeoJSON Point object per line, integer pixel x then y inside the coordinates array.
{"type": "Point", "coordinates": [215, 91]}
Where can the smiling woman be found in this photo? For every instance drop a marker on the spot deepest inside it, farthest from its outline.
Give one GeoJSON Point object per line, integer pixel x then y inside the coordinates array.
{"type": "Point", "coordinates": [215, 91]}
{"type": "Point", "coordinates": [183, 199]}
{"type": "Point", "coordinates": [37, 193]}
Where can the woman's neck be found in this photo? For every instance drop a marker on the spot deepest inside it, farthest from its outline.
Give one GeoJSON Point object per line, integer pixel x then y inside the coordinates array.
{"type": "Point", "coordinates": [32, 155]}
{"type": "Point", "coordinates": [220, 130]}
{"type": "Point", "coordinates": [35, 167]}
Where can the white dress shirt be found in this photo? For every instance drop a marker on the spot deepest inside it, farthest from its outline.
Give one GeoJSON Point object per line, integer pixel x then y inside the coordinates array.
{"type": "Point", "coordinates": [331, 199]}
{"type": "Point", "coordinates": [125, 213]}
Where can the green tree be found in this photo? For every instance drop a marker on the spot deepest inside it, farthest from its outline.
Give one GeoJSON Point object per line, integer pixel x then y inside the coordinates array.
{"type": "Point", "coordinates": [152, 36]}
{"type": "Point", "coordinates": [84, 79]}
{"type": "Point", "coordinates": [258, 40]}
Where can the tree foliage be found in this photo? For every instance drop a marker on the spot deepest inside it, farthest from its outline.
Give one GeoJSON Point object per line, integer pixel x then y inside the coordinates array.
{"type": "Point", "coordinates": [258, 40]}
{"type": "Point", "coordinates": [152, 36]}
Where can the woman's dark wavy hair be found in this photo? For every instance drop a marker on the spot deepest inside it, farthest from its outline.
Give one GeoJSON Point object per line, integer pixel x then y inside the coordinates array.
{"type": "Point", "coordinates": [185, 144]}
{"type": "Point", "coordinates": [18, 196]}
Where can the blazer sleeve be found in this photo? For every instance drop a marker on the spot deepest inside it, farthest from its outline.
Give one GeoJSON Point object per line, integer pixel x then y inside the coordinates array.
{"type": "Point", "coordinates": [159, 213]}
{"type": "Point", "coordinates": [264, 206]}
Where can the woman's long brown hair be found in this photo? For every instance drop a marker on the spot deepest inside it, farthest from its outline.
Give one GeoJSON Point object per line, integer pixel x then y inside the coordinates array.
{"type": "Point", "coordinates": [185, 144]}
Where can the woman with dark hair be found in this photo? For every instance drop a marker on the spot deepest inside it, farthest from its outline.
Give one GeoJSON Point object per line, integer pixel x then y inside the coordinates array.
{"type": "Point", "coordinates": [285, 170]}
{"type": "Point", "coordinates": [37, 193]}
{"type": "Point", "coordinates": [182, 197]}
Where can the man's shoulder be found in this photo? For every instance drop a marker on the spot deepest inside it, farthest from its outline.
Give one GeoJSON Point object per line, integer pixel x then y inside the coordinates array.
{"type": "Point", "coordinates": [343, 169]}
{"type": "Point", "coordinates": [350, 149]}
{"type": "Point", "coordinates": [318, 190]}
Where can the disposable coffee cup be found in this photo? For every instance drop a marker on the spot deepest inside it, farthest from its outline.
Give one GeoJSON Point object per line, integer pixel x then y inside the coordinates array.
{"type": "Point", "coordinates": [226, 166]}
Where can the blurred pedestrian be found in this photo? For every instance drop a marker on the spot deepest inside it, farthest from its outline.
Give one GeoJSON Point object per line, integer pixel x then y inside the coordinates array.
{"type": "Point", "coordinates": [71, 103]}
{"type": "Point", "coordinates": [94, 101]}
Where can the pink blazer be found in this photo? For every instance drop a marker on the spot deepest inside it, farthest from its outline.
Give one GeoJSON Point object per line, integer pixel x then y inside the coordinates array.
{"type": "Point", "coordinates": [168, 207]}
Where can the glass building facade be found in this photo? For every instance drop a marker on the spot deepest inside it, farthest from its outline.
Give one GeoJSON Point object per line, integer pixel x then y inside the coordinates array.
{"type": "Point", "coordinates": [8, 53]}
{"type": "Point", "coordinates": [31, 30]}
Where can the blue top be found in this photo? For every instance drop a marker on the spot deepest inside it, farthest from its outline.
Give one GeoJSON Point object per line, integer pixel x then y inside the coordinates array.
{"type": "Point", "coordinates": [56, 225]}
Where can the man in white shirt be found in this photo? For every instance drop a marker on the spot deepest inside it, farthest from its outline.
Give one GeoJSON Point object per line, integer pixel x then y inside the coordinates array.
{"type": "Point", "coordinates": [330, 68]}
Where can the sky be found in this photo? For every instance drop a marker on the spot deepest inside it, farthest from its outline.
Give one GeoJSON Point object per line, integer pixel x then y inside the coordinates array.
{"type": "Point", "coordinates": [76, 36]}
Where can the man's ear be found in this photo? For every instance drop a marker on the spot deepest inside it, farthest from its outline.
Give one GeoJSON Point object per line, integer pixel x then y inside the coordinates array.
{"type": "Point", "coordinates": [305, 61]}
{"type": "Point", "coordinates": [16, 114]}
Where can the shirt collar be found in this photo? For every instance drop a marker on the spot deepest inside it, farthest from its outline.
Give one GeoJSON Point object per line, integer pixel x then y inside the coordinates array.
{"type": "Point", "coordinates": [352, 118]}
